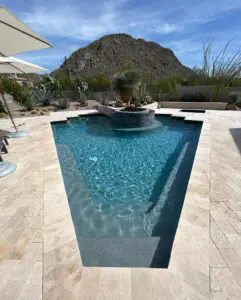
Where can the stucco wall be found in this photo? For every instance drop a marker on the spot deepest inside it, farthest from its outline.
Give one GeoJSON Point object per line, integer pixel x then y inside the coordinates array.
{"type": "Point", "coordinates": [193, 105]}
{"type": "Point", "coordinates": [205, 90]}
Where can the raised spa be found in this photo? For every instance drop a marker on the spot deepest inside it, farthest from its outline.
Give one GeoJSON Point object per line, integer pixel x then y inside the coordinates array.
{"type": "Point", "coordinates": [141, 118]}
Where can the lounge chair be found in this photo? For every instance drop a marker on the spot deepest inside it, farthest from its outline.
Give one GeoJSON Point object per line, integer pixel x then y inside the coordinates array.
{"type": "Point", "coordinates": [6, 167]}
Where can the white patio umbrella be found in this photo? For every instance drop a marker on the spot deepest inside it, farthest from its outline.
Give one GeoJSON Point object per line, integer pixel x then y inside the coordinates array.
{"type": "Point", "coordinates": [16, 65]}
{"type": "Point", "coordinates": [17, 37]}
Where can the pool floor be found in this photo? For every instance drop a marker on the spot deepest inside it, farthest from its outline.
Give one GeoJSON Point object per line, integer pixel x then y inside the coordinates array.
{"type": "Point", "coordinates": [125, 188]}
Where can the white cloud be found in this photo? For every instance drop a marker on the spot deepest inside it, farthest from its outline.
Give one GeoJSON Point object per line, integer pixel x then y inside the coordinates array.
{"type": "Point", "coordinates": [197, 12]}
{"type": "Point", "coordinates": [89, 19]}
{"type": "Point", "coordinates": [166, 28]}
{"type": "Point", "coordinates": [184, 46]}
{"type": "Point", "coordinates": [48, 58]}
{"type": "Point", "coordinates": [190, 51]}
{"type": "Point", "coordinates": [107, 17]}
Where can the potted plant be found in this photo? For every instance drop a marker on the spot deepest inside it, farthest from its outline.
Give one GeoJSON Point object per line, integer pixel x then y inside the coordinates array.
{"type": "Point", "coordinates": [124, 86]}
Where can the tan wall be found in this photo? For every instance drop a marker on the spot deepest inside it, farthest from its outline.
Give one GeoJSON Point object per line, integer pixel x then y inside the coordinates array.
{"type": "Point", "coordinates": [205, 90]}
{"type": "Point", "coordinates": [194, 105]}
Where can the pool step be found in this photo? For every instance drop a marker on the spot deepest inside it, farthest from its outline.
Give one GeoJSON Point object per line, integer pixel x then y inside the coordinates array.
{"type": "Point", "coordinates": [125, 252]}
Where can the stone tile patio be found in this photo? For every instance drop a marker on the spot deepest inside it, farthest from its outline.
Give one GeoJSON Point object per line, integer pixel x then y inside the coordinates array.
{"type": "Point", "coordinates": [39, 255]}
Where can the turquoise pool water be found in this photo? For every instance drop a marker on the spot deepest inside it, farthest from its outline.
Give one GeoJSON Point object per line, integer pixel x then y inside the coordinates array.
{"type": "Point", "coordinates": [123, 185]}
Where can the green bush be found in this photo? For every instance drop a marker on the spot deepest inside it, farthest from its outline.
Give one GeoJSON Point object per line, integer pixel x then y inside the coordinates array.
{"type": "Point", "coordinates": [63, 79]}
{"type": "Point", "coordinates": [99, 83]}
{"type": "Point", "coordinates": [166, 84]}
{"type": "Point", "coordinates": [17, 91]}
{"type": "Point", "coordinates": [147, 99]}
{"type": "Point", "coordinates": [2, 114]}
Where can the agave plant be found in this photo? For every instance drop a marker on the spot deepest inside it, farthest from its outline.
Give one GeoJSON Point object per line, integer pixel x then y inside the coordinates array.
{"type": "Point", "coordinates": [82, 97]}
{"type": "Point", "coordinates": [44, 94]}
{"type": "Point", "coordinates": [52, 85]}
{"type": "Point", "coordinates": [31, 100]}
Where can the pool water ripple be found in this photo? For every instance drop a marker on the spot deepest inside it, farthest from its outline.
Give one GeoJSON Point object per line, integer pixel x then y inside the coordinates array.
{"type": "Point", "coordinates": [119, 182]}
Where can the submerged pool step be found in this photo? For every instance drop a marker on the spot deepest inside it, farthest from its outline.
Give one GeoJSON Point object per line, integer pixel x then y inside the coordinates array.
{"type": "Point", "coordinates": [124, 252]}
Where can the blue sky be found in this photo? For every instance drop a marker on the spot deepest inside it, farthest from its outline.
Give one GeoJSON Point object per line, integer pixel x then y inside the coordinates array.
{"type": "Point", "coordinates": [180, 25]}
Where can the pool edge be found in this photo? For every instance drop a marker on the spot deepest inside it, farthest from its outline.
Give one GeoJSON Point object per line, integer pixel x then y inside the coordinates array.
{"type": "Point", "coordinates": [186, 248]}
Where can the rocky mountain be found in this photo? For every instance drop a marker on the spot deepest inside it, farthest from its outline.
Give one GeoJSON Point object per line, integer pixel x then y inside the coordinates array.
{"type": "Point", "coordinates": [114, 53]}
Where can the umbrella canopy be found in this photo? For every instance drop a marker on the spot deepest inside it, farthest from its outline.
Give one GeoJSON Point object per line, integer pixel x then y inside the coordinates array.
{"type": "Point", "coordinates": [16, 65]}
{"type": "Point", "coordinates": [16, 37]}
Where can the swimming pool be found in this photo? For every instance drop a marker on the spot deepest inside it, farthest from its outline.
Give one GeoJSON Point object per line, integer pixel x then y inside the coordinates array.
{"type": "Point", "coordinates": [125, 187]}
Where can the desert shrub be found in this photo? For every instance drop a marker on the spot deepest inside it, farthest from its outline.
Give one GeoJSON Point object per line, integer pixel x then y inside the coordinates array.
{"type": "Point", "coordinates": [42, 112]}
{"type": "Point", "coordinates": [99, 83]}
{"type": "Point", "coordinates": [80, 90]}
{"type": "Point", "coordinates": [2, 114]}
{"type": "Point", "coordinates": [17, 91]}
{"type": "Point", "coordinates": [235, 98]}
{"type": "Point", "coordinates": [82, 97]}
{"type": "Point", "coordinates": [45, 110]}
{"type": "Point", "coordinates": [63, 103]}
{"type": "Point", "coordinates": [220, 70]}
{"type": "Point", "coordinates": [236, 82]}
{"type": "Point", "coordinates": [34, 112]}
{"type": "Point", "coordinates": [166, 84]}
{"type": "Point", "coordinates": [147, 99]}
{"type": "Point", "coordinates": [63, 78]}
{"type": "Point", "coordinates": [98, 97]}
{"type": "Point", "coordinates": [101, 97]}
{"type": "Point", "coordinates": [31, 101]}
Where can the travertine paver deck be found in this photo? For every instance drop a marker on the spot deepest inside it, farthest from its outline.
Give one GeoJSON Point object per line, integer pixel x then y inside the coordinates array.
{"type": "Point", "coordinates": [39, 252]}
